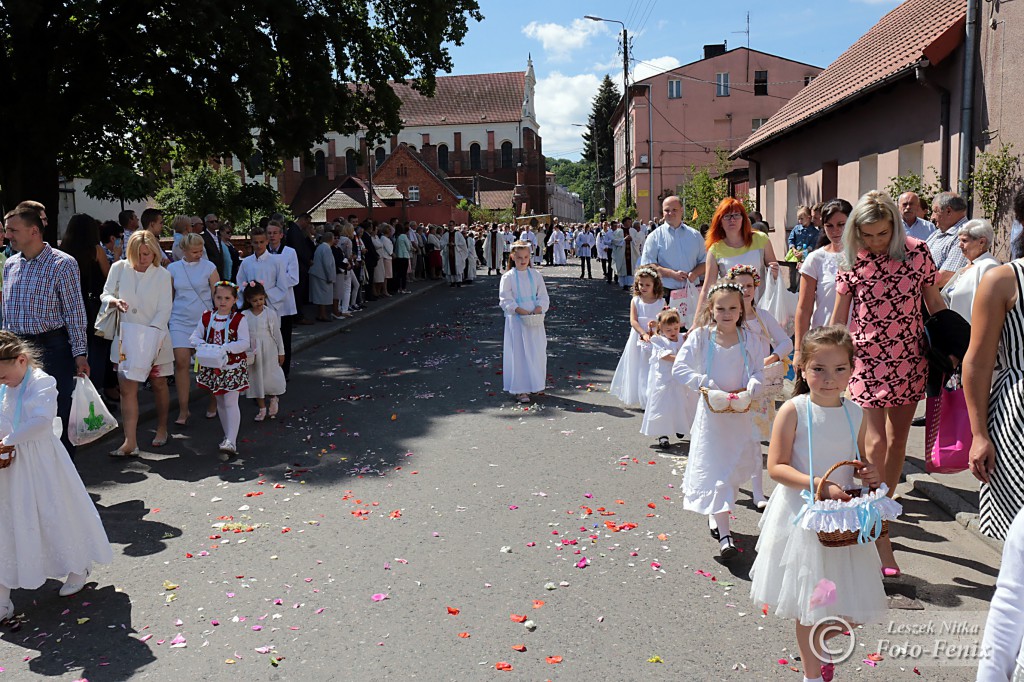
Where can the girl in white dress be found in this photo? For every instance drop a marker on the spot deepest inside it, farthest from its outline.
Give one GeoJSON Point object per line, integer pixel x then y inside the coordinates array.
{"type": "Point", "coordinates": [665, 412]}
{"type": "Point", "coordinates": [522, 294]}
{"type": "Point", "coordinates": [813, 431]}
{"type": "Point", "coordinates": [630, 381]}
{"type": "Point", "coordinates": [728, 363]}
{"type": "Point", "coordinates": [50, 526]}
{"type": "Point", "coordinates": [266, 378]}
{"type": "Point", "coordinates": [760, 322]}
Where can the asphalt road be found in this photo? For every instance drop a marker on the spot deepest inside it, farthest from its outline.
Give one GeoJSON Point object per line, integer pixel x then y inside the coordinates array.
{"type": "Point", "coordinates": [399, 469]}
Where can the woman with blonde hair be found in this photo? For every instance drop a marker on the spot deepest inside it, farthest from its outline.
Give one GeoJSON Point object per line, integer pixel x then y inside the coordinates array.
{"type": "Point", "coordinates": [193, 278]}
{"type": "Point", "coordinates": [884, 277]}
{"type": "Point", "coordinates": [141, 291]}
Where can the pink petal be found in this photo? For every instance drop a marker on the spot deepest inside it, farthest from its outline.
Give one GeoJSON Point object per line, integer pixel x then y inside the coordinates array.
{"type": "Point", "coordinates": [824, 593]}
{"type": "Point", "coordinates": [380, 596]}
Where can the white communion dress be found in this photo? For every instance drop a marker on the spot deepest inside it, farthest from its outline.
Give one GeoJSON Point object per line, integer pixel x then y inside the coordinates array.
{"type": "Point", "coordinates": [790, 560]}
{"type": "Point", "coordinates": [666, 411]}
{"type": "Point", "coordinates": [50, 525]}
{"type": "Point", "coordinates": [525, 359]}
{"type": "Point", "coordinates": [630, 381]}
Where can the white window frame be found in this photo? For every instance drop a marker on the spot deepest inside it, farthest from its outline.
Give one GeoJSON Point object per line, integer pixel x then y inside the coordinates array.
{"type": "Point", "coordinates": [413, 193]}
{"type": "Point", "coordinates": [756, 123]}
{"type": "Point", "coordinates": [675, 89]}
{"type": "Point", "coordinates": [722, 84]}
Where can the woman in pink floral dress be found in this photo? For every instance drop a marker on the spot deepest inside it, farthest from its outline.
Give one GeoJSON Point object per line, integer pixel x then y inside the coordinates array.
{"type": "Point", "coordinates": [883, 278]}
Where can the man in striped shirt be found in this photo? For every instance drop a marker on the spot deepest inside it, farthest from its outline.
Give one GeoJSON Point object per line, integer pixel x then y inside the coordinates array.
{"type": "Point", "coordinates": [42, 303]}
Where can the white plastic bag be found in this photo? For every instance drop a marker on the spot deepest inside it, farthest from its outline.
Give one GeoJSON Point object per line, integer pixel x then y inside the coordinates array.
{"type": "Point", "coordinates": [90, 418]}
{"type": "Point", "coordinates": [780, 302]}
{"type": "Point", "coordinates": [140, 345]}
{"type": "Point", "coordinates": [684, 299]}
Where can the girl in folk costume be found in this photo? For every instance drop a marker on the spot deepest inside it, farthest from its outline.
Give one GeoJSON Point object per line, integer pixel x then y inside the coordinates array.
{"type": "Point", "coordinates": [630, 381]}
{"type": "Point", "coordinates": [50, 525]}
{"type": "Point", "coordinates": [493, 245]}
{"type": "Point", "coordinates": [815, 430]}
{"type": "Point", "coordinates": [726, 365]}
{"type": "Point", "coordinates": [524, 298]}
{"type": "Point", "coordinates": [760, 322]}
{"type": "Point", "coordinates": [584, 244]}
{"type": "Point", "coordinates": [227, 328]}
{"type": "Point", "coordinates": [665, 403]}
{"type": "Point", "coordinates": [266, 378]}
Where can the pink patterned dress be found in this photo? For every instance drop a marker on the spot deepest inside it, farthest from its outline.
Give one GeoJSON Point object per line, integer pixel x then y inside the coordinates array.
{"type": "Point", "coordinates": [890, 367]}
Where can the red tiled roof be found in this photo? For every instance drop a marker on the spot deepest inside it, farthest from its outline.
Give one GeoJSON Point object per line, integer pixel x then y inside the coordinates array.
{"type": "Point", "coordinates": [915, 30]}
{"type": "Point", "coordinates": [496, 198]}
{"type": "Point", "coordinates": [461, 100]}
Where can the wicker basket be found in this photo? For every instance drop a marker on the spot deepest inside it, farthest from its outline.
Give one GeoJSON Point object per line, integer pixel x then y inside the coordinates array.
{"type": "Point", "coordinates": [532, 320]}
{"type": "Point", "coordinates": [9, 451]}
{"type": "Point", "coordinates": [842, 538]}
{"type": "Point", "coordinates": [729, 408]}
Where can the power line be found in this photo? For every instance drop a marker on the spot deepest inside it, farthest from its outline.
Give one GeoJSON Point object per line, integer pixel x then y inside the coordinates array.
{"type": "Point", "coordinates": [654, 3]}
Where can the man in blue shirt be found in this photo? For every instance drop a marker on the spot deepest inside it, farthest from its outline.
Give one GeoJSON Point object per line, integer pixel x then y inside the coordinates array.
{"type": "Point", "coordinates": [674, 249]}
{"type": "Point", "coordinates": [916, 227]}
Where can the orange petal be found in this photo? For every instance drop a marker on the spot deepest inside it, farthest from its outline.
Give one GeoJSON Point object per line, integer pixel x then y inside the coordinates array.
{"type": "Point", "coordinates": [554, 659]}
{"type": "Point", "coordinates": [502, 665]}
{"type": "Point", "coordinates": [662, 537]}
{"type": "Point", "coordinates": [464, 635]}
{"type": "Point", "coordinates": [516, 618]}
{"type": "Point", "coordinates": [452, 611]}
{"type": "Point", "coordinates": [519, 647]}
{"type": "Point", "coordinates": [652, 505]}
{"type": "Point", "coordinates": [537, 603]}
{"type": "Point", "coordinates": [620, 502]}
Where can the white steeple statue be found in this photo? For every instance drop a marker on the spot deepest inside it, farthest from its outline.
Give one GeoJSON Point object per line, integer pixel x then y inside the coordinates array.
{"type": "Point", "coordinates": [529, 112]}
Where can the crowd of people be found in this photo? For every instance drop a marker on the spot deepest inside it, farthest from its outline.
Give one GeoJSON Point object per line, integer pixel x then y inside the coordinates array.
{"type": "Point", "coordinates": [883, 294]}
{"type": "Point", "coordinates": [884, 298]}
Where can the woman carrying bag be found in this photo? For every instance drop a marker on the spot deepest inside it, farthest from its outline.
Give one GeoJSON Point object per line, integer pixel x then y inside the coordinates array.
{"type": "Point", "coordinates": [141, 291]}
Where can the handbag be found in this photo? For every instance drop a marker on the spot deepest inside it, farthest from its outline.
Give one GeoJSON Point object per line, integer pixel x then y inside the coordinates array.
{"type": "Point", "coordinates": [107, 323]}
{"type": "Point", "coordinates": [684, 299]}
{"type": "Point", "coordinates": [951, 449]}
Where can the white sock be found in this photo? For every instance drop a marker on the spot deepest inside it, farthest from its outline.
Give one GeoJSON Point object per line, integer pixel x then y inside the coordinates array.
{"type": "Point", "coordinates": [722, 523]}
{"type": "Point", "coordinates": [230, 415]}
{"type": "Point", "coordinates": [813, 679]}
{"type": "Point", "coordinates": [711, 522]}
{"type": "Point", "coordinates": [757, 486]}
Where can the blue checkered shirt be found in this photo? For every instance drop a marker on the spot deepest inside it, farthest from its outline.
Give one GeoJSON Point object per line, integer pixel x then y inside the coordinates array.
{"type": "Point", "coordinates": [43, 294]}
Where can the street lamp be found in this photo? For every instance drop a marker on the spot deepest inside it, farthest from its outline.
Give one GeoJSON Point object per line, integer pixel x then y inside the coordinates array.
{"type": "Point", "coordinates": [625, 102]}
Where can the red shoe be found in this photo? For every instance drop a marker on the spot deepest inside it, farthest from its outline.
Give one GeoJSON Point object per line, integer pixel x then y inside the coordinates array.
{"type": "Point", "coordinates": [828, 671]}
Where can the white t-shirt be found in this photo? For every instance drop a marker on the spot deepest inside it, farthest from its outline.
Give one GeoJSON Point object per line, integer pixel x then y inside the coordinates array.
{"type": "Point", "coordinates": [822, 266]}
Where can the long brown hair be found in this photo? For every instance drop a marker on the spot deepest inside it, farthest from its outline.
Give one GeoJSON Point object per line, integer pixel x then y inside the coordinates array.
{"type": "Point", "coordinates": [832, 336]}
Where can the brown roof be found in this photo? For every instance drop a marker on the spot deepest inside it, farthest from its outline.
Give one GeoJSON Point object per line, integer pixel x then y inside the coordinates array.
{"type": "Point", "coordinates": [916, 30]}
{"type": "Point", "coordinates": [461, 100]}
{"type": "Point", "coordinates": [403, 148]}
{"type": "Point", "coordinates": [496, 198]}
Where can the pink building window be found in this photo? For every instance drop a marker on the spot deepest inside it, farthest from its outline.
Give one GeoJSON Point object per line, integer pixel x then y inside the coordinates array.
{"type": "Point", "coordinates": [722, 84]}
{"type": "Point", "coordinates": [675, 89]}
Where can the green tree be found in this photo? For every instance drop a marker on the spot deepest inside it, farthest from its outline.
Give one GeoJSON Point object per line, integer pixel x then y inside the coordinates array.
{"type": "Point", "coordinates": [598, 139]}
{"type": "Point", "coordinates": [120, 182]}
{"type": "Point", "coordinates": [705, 189]}
{"type": "Point", "coordinates": [912, 182]}
{"type": "Point", "coordinates": [87, 82]}
{"type": "Point", "coordinates": [204, 189]}
{"type": "Point", "coordinates": [255, 200]}
{"type": "Point", "coordinates": [576, 176]}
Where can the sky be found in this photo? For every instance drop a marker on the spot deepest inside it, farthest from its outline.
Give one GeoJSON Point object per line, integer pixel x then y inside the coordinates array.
{"type": "Point", "coordinates": [571, 55]}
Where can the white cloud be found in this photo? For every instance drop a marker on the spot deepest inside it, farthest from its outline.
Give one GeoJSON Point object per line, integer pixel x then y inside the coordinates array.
{"type": "Point", "coordinates": [561, 41]}
{"type": "Point", "coordinates": [561, 101]}
{"type": "Point", "coordinates": [649, 67]}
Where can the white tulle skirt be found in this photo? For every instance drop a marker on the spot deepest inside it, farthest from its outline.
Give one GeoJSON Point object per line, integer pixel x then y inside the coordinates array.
{"type": "Point", "coordinates": [630, 381]}
{"type": "Point", "coordinates": [791, 562]}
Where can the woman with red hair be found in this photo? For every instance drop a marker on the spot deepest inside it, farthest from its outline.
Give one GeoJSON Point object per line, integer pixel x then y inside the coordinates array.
{"type": "Point", "coordinates": [732, 241]}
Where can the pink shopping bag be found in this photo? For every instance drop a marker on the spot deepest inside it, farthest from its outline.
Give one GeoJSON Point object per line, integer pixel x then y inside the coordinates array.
{"type": "Point", "coordinates": [950, 452]}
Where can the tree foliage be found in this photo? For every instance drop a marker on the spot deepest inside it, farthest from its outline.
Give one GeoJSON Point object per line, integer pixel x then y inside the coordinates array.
{"type": "Point", "coordinates": [86, 82]}
{"type": "Point", "coordinates": [599, 138]}
{"type": "Point", "coordinates": [479, 214]}
{"type": "Point", "coordinates": [204, 189]}
{"type": "Point", "coordinates": [705, 189]}
{"type": "Point", "coordinates": [120, 182]}
{"type": "Point", "coordinates": [912, 182]}
{"type": "Point", "coordinates": [994, 181]}
{"type": "Point", "coordinates": [577, 177]}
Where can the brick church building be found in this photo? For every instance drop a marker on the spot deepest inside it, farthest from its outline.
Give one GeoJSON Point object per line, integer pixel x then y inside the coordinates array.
{"type": "Point", "coordinates": [476, 138]}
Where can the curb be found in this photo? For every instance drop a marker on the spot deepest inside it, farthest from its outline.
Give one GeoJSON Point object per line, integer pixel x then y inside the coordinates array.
{"type": "Point", "coordinates": [339, 327]}
{"type": "Point", "coordinates": [962, 511]}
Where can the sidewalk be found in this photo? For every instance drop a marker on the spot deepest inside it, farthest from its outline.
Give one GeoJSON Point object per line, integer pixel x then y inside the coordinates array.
{"type": "Point", "coordinates": [303, 337]}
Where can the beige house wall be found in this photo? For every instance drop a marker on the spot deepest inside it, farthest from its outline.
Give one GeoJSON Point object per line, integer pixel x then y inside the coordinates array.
{"type": "Point", "coordinates": [881, 135]}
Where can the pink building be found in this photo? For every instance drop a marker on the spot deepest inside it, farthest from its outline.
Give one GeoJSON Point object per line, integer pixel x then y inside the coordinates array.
{"type": "Point", "coordinates": [680, 117]}
{"type": "Point", "coordinates": [895, 103]}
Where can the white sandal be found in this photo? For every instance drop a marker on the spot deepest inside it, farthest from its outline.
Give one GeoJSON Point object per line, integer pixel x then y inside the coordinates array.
{"type": "Point", "coordinates": [74, 583]}
{"type": "Point", "coordinates": [523, 398]}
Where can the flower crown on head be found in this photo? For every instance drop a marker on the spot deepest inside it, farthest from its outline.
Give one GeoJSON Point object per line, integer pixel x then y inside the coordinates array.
{"type": "Point", "coordinates": [725, 286]}
{"type": "Point", "coordinates": [737, 270]}
{"type": "Point", "coordinates": [645, 270]}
